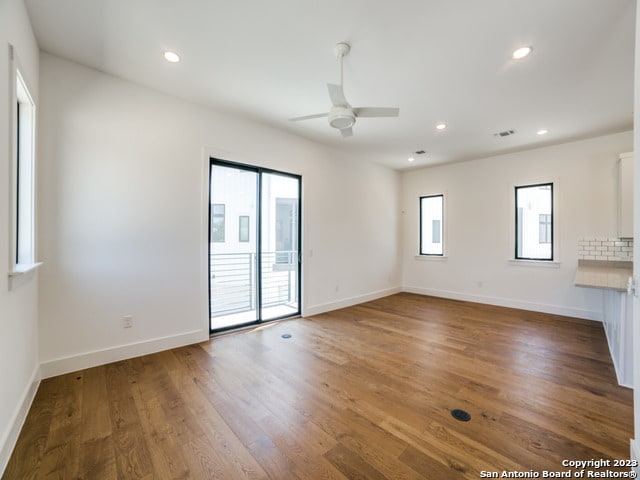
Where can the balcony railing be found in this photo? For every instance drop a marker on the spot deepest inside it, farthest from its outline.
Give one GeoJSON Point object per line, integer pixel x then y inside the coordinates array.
{"type": "Point", "coordinates": [233, 281]}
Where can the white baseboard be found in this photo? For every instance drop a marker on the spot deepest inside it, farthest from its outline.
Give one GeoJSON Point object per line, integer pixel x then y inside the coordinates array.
{"type": "Point", "coordinates": [10, 435]}
{"type": "Point", "coordinates": [348, 302]}
{"type": "Point", "coordinates": [614, 359]}
{"type": "Point", "coordinates": [73, 363]}
{"type": "Point", "coordinates": [506, 302]}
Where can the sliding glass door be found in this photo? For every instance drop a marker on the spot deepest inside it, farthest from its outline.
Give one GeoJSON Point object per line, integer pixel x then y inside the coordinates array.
{"type": "Point", "coordinates": [254, 261]}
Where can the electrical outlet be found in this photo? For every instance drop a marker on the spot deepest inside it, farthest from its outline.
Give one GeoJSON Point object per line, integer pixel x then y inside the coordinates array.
{"type": "Point", "coordinates": [127, 321]}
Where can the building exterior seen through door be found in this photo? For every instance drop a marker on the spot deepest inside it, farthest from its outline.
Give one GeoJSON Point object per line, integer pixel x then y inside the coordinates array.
{"type": "Point", "coordinates": [254, 245]}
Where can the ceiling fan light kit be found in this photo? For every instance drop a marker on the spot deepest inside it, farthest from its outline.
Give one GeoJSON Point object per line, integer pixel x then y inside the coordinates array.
{"type": "Point", "coordinates": [342, 115]}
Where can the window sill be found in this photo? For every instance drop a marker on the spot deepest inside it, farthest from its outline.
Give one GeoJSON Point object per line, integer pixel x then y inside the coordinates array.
{"type": "Point", "coordinates": [24, 268]}
{"type": "Point", "coordinates": [535, 263]}
{"type": "Point", "coordinates": [432, 258]}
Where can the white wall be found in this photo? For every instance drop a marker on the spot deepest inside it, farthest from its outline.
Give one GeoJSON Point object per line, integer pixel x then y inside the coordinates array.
{"type": "Point", "coordinates": [18, 297]}
{"type": "Point", "coordinates": [351, 228]}
{"type": "Point", "coordinates": [479, 221]}
{"type": "Point", "coordinates": [123, 224]}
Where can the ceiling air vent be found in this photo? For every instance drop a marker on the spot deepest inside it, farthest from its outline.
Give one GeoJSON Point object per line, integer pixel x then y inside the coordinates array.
{"type": "Point", "coordinates": [506, 133]}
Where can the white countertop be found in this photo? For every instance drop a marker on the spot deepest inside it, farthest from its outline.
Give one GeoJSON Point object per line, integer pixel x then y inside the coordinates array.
{"type": "Point", "coordinates": [603, 274]}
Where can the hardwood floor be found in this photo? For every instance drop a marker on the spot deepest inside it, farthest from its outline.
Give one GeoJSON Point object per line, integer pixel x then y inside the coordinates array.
{"type": "Point", "coordinates": [359, 393]}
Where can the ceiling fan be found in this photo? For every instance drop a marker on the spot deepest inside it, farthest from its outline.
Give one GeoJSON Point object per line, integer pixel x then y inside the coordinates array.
{"type": "Point", "coordinates": [342, 115]}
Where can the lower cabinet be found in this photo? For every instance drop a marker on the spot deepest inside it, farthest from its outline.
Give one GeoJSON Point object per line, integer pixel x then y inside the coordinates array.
{"type": "Point", "coordinates": [618, 321]}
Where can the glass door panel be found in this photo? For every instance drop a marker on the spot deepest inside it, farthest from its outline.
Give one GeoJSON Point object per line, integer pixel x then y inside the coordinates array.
{"type": "Point", "coordinates": [279, 245]}
{"type": "Point", "coordinates": [233, 246]}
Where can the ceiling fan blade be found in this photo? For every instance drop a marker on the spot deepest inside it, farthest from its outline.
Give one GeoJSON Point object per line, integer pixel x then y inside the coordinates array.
{"type": "Point", "coordinates": [376, 112]}
{"type": "Point", "coordinates": [347, 132]}
{"type": "Point", "coordinates": [308, 117]}
{"type": "Point", "coordinates": [336, 93]}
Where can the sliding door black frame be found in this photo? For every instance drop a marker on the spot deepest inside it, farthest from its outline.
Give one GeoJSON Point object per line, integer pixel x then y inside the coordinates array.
{"type": "Point", "coordinates": [259, 173]}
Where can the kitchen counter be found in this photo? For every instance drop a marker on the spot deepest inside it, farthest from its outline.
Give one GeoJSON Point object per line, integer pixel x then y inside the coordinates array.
{"type": "Point", "coordinates": [603, 274]}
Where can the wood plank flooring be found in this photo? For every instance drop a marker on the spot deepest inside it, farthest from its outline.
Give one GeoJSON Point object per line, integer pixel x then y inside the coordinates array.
{"type": "Point", "coordinates": [359, 393]}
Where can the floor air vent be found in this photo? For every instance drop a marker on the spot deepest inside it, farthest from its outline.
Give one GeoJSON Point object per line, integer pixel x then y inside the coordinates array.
{"type": "Point", "coordinates": [460, 415]}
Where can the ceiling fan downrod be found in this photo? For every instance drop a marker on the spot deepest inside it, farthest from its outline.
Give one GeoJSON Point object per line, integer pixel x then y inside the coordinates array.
{"type": "Point", "coordinates": [341, 50]}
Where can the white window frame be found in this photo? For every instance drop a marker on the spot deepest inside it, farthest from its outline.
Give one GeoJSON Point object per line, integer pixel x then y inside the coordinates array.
{"type": "Point", "coordinates": [22, 148]}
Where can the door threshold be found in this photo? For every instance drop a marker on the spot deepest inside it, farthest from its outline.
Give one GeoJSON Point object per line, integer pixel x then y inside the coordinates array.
{"type": "Point", "coordinates": [255, 326]}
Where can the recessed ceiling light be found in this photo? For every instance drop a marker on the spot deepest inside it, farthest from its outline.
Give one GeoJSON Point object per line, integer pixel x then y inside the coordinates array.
{"type": "Point", "coordinates": [521, 52]}
{"type": "Point", "coordinates": [441, 126]}
{"type": "Point", "coordinates": [410, 159]}
{"type": "Point", "coordinates": [542, 131]}
{"type": "Point", "coordinates": [171, 57]}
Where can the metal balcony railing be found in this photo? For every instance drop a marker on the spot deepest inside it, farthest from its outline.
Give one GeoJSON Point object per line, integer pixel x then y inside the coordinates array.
{"type": "Point", "coordinates": [233, 281]}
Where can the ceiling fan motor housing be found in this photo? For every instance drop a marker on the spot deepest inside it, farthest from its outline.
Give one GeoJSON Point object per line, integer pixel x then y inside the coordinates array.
{"type": "Point", "coordinates": [341, 118]}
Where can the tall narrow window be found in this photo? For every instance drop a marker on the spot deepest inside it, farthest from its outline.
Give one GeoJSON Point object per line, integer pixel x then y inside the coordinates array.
{"type": "Point", "coordinates": [431, 220]}
{"type": "Point", "coordinates": [243, 228]}
{"type": "Point", "coordinates": [217, 222]}
{"type": "Point", "coordinates": [23, 199]}
{"type": "Point", "coordinates": [534, 222]}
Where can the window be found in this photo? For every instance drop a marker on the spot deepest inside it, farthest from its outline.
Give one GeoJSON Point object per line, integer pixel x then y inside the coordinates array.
{"type": "Point", "coordinates": [243, 227]}
{"type": "Point", "coordinates": [286, 230]}
{"type": "Point", "coordinates": [217, 222]}
{"type": "Point", "coordinates": [23, 173]}
{"type": "Point", "coordinates": [534, 222]}
{"type": "Point", "coordinates": [431, 217]}
{"type": "Point", "coordinates": [545, 228]}
{"type": "Point", "coordinates": [435, 232]}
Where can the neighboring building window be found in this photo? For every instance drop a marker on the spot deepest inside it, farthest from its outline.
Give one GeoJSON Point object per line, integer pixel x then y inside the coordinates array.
{"type": "Point", "coordinates": [545, 228]}
{"type": "Point", "coordinates": [436, 231]}
{"type": "Point", "coordinates": [431, 221]}
{"type": "Point", "coordinates": [286, 230]}
{"type": "Point", "coordinates": [243, 227]}
{"type": "Point", "coordinates": [534, 222]}
{"type": "Point", "coordinates": [23, 176]}
{"type": "Point", "coordinates": [217, 222]}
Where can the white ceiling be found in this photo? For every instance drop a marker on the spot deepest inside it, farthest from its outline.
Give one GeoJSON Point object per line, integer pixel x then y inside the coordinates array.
{"type": "Point", "coordinates": [436, 60]}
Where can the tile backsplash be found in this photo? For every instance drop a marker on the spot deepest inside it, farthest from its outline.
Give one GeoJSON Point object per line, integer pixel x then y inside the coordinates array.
{"type": "Point", "coordinates": [605, 248]}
